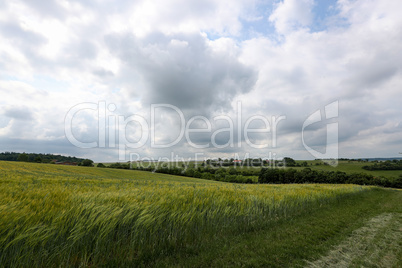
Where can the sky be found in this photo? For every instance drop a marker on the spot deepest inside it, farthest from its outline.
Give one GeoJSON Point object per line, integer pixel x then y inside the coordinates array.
{"type": "Point", "coordinates": [120, 80]}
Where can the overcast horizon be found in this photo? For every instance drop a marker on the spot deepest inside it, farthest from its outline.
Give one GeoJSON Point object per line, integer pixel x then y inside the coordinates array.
{"type": "Point", "coordinates": [313, 74]}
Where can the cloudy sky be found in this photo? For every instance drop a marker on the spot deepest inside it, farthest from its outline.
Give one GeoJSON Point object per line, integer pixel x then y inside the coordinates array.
{"type": "Point", "coordinates": [94, 78]}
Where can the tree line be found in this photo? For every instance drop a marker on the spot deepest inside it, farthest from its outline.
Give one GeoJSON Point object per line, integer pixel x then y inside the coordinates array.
{"type": "Point", "coordinates": [307, 175]}
{"type": "Point", "coordinates": [43, 158]}
{"type": "Point", "coordinates": [270, 175]}
{"type": "Point", "coordinates": [386, 165]}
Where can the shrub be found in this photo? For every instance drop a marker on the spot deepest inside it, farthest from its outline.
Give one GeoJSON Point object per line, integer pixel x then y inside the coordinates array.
{"type": "Point", "coordinates": [87, 163]}
{"type": "Point", "coordinates": [274, 175]}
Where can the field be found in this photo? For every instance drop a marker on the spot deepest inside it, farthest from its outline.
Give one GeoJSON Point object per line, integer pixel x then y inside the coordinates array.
{"type": "Point", "coordinates": [344, 166]}
{"type": "Point", "coordinates": [52, 216]}
{"type": "Point", "coordinates": [351, 167]}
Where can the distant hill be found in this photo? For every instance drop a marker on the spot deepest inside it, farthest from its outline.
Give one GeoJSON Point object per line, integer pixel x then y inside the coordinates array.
{"type": "Point", "coordinates": [44, 158]}
{"type": "Point", "coordinates": [385, 159]}
{"type": "Point", "coordinates": [370, 159]}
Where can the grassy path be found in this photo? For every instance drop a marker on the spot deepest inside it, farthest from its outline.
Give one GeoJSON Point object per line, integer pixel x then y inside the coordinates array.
{"type": "Point", "coordinates": [297, 241]}
{"type": "Point", "coordinates": [374, 245]}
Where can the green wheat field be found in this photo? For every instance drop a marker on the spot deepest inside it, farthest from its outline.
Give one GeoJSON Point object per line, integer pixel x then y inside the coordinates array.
{"type": "Point", "coordinates": [66, 216]}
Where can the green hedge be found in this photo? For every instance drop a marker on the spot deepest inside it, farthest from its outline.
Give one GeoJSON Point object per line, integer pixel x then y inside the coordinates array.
{"type": "Point", "coordinates": [307, 175]}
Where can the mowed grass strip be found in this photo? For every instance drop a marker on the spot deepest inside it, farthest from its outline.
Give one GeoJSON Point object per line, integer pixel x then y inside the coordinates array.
{"type": "Point", "coordinates": [373, 245]}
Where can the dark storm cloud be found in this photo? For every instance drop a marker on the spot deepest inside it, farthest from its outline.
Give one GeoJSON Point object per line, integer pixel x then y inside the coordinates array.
{"type": "Point", "coordinates": [184, 71]}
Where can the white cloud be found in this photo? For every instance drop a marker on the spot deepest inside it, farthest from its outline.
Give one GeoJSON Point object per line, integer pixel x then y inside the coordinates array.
{"type": "Point", "coordinates": [359, 65]}
{"type": "Point", "coordinates": [189, 54]}
{"type": "Point", "coordinates": [291, 15]}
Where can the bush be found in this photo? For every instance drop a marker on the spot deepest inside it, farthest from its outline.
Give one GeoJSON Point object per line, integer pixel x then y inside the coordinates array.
{"type": "Point", "coordinates": [23, 157]}
{"type": "Point", "coordinates": [387, 165]}
{"type": "Point", "coordinates": [119, 166]}
{"type": "Point", "coordinates": [274, 175]}
{"type": "Point", "coordinates": [87, 163]}
{"type": "Point", "coordinates": [289, 162]}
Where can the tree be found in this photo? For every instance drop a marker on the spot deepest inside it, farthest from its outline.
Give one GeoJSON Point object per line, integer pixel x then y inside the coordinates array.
{"type": "Point", "coordinates": [289, 162]}
{"type": "Point", "coordinates": [87, 163]}
{"type": "Point", "coordinates": [38, 159]}
{"type": "Point", "coordinates": [232, 171]}
{"type": "Point", "coordinates": [101, 165]}
{"type": "Point", "coordinates": [23, 157]}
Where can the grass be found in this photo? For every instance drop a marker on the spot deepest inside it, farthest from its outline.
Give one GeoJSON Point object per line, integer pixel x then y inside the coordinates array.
{"type": "Point", "coordinates": [344, 166]}
{"type": "Point", "coordinates": [373, 244]}
{"type": "Point", "coordinates": [49, 171]}
{"type": "Point", "coordinates": [54, 216]}
{"type": "Point", "coordinates": [352, 167]}
{"type": "Point", "coordinates": [306, 238]}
